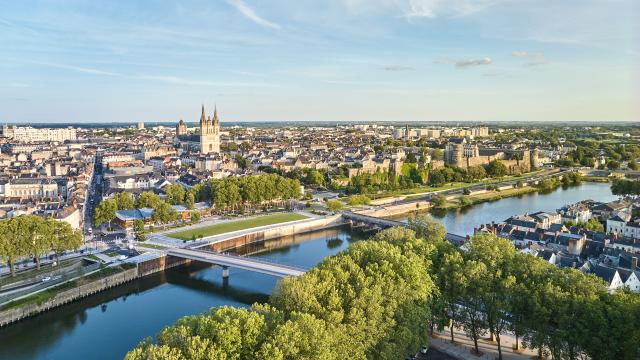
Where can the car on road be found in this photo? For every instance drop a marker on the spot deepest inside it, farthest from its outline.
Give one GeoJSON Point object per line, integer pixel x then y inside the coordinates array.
{"type": "Point", "coordinates": [46, 278]}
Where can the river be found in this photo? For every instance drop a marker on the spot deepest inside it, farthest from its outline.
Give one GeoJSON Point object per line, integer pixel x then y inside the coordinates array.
{"type": "Point", "coordinates": [107, 325]}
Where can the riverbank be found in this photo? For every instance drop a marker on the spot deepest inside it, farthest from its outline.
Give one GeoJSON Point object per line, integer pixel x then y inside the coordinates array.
{"type": "Point", "coordinates": [66, 292]}
{"type": "Point", "coordinates": [457, 202]}
{"type": "Point", "coordinates": [156, 261]}
{"type": "Point", "coordinates": [144, 306]}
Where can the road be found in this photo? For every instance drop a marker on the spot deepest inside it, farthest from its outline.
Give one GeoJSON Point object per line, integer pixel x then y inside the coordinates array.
{"type": "Point", "coordinates": [459, 191]}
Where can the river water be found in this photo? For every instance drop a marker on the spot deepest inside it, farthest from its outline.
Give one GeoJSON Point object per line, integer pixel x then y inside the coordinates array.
{"type": "Point", "coordinates": [107, 325]}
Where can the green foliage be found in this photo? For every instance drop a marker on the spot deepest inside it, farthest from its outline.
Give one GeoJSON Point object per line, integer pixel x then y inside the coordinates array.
{"type": "Point", "coordinates": [375, 299]}
{"type": "Point", "coordinates": [439, 201]}
{"type": "Point", "coordinates": [625, 187]}
{"type": "Point", "coordinates": [124, 201]}
{"type": "Point", "coordinates": [34, 236]}
{"type": "Point", "coordinates": [358, 200]}
{"type": "Point", "coordinates": [163, 213]}
{"type": "Point", "coordinates": [593, 224]}
{"type": "Point", "coordinates": [233, 192]}
{"type": "Point", "coordinates": [335, 205]}
{"type": "Point", "coordinates": [148, 199]}
{"type": "Point", "coordinates": [314, 178]}
{"type": "Point", "coordinates": [105, 212]}
{"type": "Point", "coordinates": [465, 201]}
{"type": "Point", "coordinates": [426, 227]}
{"type": "Point", "coordinates": [175, 194]}
{"type": "Point", "coordinates": [496, 168]}
{"type": "Point", "coordinates": [195, 216]}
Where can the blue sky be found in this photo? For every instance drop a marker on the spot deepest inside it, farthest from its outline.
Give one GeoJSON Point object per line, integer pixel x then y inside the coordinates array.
{"type": "Point", "coordinates": [359, 60]}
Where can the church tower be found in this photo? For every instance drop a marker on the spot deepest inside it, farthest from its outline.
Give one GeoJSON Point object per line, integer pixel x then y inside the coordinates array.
{"type": "Point", "coordinates": [209, 133]}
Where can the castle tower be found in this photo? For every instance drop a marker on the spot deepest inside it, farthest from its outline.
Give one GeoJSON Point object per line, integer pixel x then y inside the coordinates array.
{"type": "Point", "coordinates": [535, 159]}
{"type": "Point", "coordinates": [458, 155]}
{"type": "Point", "coordinates": [209, 133]}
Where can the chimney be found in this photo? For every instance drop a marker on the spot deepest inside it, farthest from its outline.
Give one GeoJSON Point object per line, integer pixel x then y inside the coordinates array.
{"type": "Point", "coordinates": [634, 263]}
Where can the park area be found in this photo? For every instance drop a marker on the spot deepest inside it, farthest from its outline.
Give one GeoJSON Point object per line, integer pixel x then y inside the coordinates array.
{"type": "Point", "coordinates": [230, 226]}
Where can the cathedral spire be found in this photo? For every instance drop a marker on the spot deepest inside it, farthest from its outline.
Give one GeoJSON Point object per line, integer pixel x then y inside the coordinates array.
{"type": "Point", "coordinates": [215, 115]}
{"type": "Point", "coordinates": [202, 117]}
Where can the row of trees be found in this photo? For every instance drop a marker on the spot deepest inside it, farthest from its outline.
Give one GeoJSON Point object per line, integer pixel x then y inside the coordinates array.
{"type": "Point", "coordinates": [413, 174]}
{"type": "Point", "coordinates": [379, 299]}
{"type": "Point", "coordinates": [568, 179]}
{"type": "Point", "coordinates": [162, 213]}
{"type": "Point", "coordinates": [491, 288]}
{"type": "Point", "coordinates": [239, 192]}
{"type": "Point", "coordinates": [625, 187]}
{"type": "Point", "coordinates": [34, 236]}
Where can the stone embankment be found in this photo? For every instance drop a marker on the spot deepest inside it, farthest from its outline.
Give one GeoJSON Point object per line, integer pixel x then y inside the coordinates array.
{"type": "Point", "coordinates": [17, 313]}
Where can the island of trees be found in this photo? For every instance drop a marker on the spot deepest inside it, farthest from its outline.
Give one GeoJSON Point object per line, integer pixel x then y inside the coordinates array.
{"type": "Point", "coordinates": [381, 298]}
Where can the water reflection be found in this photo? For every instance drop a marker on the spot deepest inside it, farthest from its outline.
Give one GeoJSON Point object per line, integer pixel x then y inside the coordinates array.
{"type": "Point", "coordinates": [108, 324]}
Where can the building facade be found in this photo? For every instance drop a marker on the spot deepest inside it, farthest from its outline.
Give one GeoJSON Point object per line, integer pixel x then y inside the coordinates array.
{"type": "Point", "coordinates": [30, 134]}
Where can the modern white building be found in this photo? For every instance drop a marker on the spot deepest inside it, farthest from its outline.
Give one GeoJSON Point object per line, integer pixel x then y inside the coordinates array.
{"type": "Point", "coordinates": [30, 134]}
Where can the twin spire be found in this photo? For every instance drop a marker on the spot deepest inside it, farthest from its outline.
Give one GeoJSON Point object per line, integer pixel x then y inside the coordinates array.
{"type": "Point", "coordinates": [205, 119]}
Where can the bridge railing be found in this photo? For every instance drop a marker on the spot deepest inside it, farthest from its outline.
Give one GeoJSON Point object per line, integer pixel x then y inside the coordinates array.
{"type": "Point", "coordinates": [251, 259]}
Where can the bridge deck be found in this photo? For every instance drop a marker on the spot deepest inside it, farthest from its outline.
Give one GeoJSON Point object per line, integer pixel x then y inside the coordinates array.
{"type": "Point", "coordinates": [453, 238]}
{"type": "Point", "coordinates": [238, 262]}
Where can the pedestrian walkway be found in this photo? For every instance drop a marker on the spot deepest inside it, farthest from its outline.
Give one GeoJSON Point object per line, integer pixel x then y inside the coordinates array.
{"type": "Point", "coordinates": [463, 346]}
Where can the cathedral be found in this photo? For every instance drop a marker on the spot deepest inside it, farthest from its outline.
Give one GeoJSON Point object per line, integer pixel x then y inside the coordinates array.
{"type": "Point", "coordinates": [207, 141]}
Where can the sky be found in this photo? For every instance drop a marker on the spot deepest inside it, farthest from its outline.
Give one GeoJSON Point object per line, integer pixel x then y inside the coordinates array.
{"type": "Point", "coordinates": [325, 60]}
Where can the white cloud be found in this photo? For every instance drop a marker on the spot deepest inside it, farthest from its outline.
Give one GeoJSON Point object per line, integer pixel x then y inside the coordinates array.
{"type": "Point", "coordinates": [527, 54]}
{"type": "Point", "coordinates": [436, 8]}
{"type": "Point", "coordinates": [473, 62]}
{"type": "Point", "coordinates": [398, 68]}
{"type": "Point", "coordinates": [190, 82]}
{"type": "Point", "coordinates": [250, 14]}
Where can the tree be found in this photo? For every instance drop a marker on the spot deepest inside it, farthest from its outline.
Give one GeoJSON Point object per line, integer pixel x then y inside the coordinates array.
{"type": "Point", "coordinates": [335, 205]}
{"type": "Point", "coordinates": [472, 316]}
{"type": "Point", "coordinates": [11, 247]}
{"type": "Point", "coordinates": [613, 165]}
{"type": "Point", "coordinates": [148, 199]}
{"type": "Point", "coordinates": [496, 168]}
{"type": "Point", "coordinates": [190, 201]}
{"type": "Point", "coordinates": [439, 201]}
{"type": "Point", "coordinates": [63, 238]}
{"type": "Point", "coordinates": [451, 282]}
{"type": "Point", "coordinates": [314, 178]}
{"type": "Point", "coordinates": [175, 194]}
{"type": "Point", "coordinates": [138, 225]}
{"type": "Point", "coordinates": [164, 213]}
{"type": "Point", "coordinates": [465, 201]}
{"type": "Point", "coordinates": [495, 285]}
{"type": "Point", "coordinates": [426, 227]}
{"type": "Point", "coordinates": [195, 216]}
{"type": "Point", "coordinates": [105, 212]}
{"type": "Point", "coordinates": [124, 201]}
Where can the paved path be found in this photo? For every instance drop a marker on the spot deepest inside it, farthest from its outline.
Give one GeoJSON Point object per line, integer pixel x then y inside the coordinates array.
{"type": "Point", "coordinates": [461, 349]}
{"type": "Point", "coordinates": [238, 262]}
{"type": "Point", "coordinates": [165, 240]}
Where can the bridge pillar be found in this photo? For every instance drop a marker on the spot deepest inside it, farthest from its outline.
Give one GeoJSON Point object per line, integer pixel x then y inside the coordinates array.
{"type": "Point", "coordinates": [225, 276]}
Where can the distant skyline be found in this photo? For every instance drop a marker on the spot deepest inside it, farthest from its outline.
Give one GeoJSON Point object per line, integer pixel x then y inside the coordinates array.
{"type": "Point", "coordinates": [360, 60]}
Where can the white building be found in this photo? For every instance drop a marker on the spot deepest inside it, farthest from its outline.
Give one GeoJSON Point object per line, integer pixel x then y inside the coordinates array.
{"type": "Point", "coordinates": [30, 134]}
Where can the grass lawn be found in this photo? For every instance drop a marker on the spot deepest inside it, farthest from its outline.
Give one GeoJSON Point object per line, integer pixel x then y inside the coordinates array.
{"type": "Point", "coordinates": [237, 225]}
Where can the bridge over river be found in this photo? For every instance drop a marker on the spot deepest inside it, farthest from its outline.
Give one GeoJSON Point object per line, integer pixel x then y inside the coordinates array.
{"type": "Point", "coordinates": [239, 262]}
{"type": "Point", "coordinates": [386, 223]}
